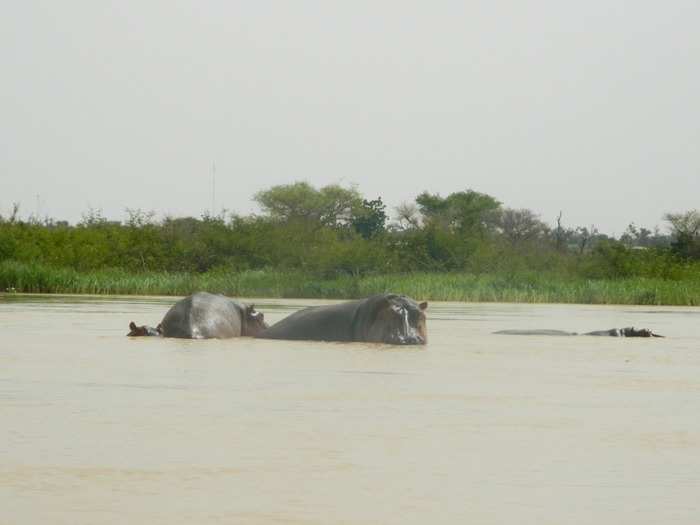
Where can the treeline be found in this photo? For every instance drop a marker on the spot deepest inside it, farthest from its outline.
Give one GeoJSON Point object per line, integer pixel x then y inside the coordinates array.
{"type": "Point", "coordinates": [335, 231]}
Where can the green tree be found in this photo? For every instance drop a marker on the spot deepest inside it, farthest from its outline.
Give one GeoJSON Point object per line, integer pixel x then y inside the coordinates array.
{"type": "Point", "coordinates": [329, 206]}
{"type": "Point", "coordinates": [686, 233]}
{"type": "Point", "coordinates": [519, 226]}
{"type": "Point", "coordinates": [643, 237]}
{"type": "Point", "coordinates": [461, 212]}
{"type": "Point", "coordinates": [369, 219]}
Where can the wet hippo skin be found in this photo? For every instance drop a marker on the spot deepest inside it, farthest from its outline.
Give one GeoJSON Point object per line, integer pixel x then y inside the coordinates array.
{"type": "Point", "coordinates": [204, 316]}
{"type": "Point", "coordinates": [384, 318]}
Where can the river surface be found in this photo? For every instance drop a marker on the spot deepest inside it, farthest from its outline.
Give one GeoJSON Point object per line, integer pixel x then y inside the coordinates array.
{"type": "Point", "coordinates": [479, 428]}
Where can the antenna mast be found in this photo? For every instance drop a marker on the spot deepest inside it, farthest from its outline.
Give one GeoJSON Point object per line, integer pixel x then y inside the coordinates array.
{"type": "Point", "coordinates": [213, 187]}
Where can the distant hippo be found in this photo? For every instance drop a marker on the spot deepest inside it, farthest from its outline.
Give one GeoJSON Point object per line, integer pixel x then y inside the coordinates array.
{"type": "Point", "coordinates": [386, 318]}
{"type": "Point", "coordinates": [613, 332]}
{"type": "Point", "coordinates": [204, 316]}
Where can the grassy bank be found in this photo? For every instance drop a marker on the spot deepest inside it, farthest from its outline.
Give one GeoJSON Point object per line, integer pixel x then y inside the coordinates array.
{"type": "Point", "coordinates": [527, 287]}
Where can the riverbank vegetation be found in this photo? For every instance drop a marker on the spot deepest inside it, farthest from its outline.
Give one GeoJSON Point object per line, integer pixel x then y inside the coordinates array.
{"type": "Point", "coordinates": [333, 243]}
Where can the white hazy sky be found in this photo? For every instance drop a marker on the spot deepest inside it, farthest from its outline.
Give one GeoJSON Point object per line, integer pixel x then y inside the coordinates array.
{"type": "Point", "coordinates": [589, 107]}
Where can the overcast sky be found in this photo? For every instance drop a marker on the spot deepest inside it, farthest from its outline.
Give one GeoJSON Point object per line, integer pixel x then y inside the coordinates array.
{"type": "Point", "coordinates": [591, 108]}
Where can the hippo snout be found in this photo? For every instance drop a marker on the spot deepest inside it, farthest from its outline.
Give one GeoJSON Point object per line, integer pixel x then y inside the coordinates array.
{"type": "Point", "coordinates": [415, 340]}
{"type": "Point", "coordinates": [411, 339]}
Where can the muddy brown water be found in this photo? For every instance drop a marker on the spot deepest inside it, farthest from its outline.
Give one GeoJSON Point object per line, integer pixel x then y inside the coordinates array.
{"type": "Point", "coordinates": [474, 428]}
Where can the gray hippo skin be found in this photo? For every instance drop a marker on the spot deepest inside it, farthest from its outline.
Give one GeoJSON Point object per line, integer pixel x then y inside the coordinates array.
{"type": "Point", "coordinates": [613, 332]}
{"type": "Point", "coordinates": [385, 318]}
{"type": "Point", "coordinates": [204, 316]}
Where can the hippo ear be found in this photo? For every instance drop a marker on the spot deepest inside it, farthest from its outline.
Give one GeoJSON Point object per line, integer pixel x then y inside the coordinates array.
{"type": "Point", "coordinates": [423, 305]}
{"type": "Point", "coordinates": [133, 329]}
{"type": "Point", "coordinates": [251, 313]}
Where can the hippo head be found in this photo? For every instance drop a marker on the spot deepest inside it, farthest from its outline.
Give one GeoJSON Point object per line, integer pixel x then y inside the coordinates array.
{"type": "Point", "coordinates": [254, 321]}
{"type": "Point", "coordinates": [142, 331]}
{"type": "Point", "coordinates": [638, 332]}
{"type": "Point", "coordinates": [399, 320]}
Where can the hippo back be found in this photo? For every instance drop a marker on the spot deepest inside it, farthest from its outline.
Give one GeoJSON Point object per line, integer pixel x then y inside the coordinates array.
{"type": "Point", "coordinates": [387, 318]}
{"type": "Point", "coordinates": [317, 323]}
{"type": "Point", "coordinates": [612, 332]}
{"type": "Point", "coordinates": [202, 316]}
{"type": "Point", "coordinates": [535, 332]}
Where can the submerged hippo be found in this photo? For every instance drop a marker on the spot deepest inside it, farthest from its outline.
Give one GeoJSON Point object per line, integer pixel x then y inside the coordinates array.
{"type": "Point", "coordinates": [613, 332]}
{"type": "Point", "coordinates": [204, 316]}
{"type": "Point", "coordinates": [385, 318]}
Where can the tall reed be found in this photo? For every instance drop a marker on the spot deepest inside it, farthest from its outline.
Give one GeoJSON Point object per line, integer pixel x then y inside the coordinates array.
{"type": "Point", "coordinates": [526, 287]}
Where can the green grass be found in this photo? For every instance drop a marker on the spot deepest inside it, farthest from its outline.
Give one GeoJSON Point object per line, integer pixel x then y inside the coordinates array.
{"type": "Point", "coordinates": [524, 287]}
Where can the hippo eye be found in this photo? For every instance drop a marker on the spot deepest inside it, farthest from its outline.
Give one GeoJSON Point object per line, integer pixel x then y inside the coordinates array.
{"type": "Point", "coordinates": [398, 309]}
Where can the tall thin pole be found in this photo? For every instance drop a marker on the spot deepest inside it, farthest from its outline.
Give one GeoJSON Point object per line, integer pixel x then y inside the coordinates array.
{"type": "Point", "coordinates": [213, 187]}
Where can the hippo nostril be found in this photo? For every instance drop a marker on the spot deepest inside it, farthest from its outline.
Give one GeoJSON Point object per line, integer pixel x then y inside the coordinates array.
{"type": "Point", "coordinates": [411, 339]}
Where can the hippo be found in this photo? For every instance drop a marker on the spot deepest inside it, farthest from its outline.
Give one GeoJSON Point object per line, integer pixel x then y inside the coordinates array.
{"type": "Point", "coordinates": [613, 332]}
{"type": "Point", "coordinates": [384, 318]}
{"type": "Point", "coordinates": [204, 316]}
